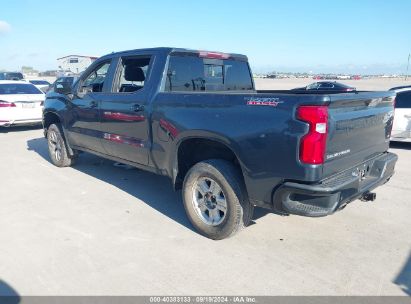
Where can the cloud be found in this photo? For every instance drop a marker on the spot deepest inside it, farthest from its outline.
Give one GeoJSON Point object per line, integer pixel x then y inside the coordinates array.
{"type": "Point", "coordinates": [4, 27]}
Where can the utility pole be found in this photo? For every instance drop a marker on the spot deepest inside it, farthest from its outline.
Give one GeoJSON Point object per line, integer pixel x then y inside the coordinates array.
{"type": "Point", "coordinates": [408, 65]}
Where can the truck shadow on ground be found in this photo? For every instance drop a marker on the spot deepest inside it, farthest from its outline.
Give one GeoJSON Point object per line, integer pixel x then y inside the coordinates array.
{"type": "Point", "coordinates": [154, 190]}
{"type": "Point", "coordinates": [400, 145]}
{"type": "Point", "coordinates": [7, 294]}
{"type": "Point", "coordinates": [403, 280]}
{"type": "Point", "coordinates": [16, 129]}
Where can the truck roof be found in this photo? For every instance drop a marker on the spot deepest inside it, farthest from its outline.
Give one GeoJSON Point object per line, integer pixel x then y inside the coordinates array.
{"type": "Point", "coordinates": [169, 50]}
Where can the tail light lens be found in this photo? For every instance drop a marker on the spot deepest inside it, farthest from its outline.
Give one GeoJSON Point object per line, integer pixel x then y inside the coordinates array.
{"type": "Point", "coordinates": [213, 55]}
{"type": "Point", "coordinates": [313, 144]}
{"type": "Point", "coordinates": [6, 104]}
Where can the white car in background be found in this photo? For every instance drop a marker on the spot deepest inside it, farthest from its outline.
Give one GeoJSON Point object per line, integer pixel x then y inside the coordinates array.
{"type": "Point", "coordinates": [43, 85]}
{"type": "Point", "coordinates": [21, 103]}
{"type": "Point", "coordinates": [401, 130]}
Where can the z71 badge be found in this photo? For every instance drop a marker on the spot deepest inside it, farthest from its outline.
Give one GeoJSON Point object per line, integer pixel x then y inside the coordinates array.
{"type": "Point", "coordinates": [263, 101]}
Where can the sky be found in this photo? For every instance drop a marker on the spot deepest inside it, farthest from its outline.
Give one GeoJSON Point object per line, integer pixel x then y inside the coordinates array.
{"type": "Point", "coordinates": [317, 36]}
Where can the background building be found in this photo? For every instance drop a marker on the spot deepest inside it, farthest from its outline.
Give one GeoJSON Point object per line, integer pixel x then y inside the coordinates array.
{"type": "Point", "coordinates": [29, 71]}
{"type": "Point", "coordinates": [74, 63]}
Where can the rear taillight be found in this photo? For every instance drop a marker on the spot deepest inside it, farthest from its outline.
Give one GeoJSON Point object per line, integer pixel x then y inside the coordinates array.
{"type": "Point", "coordinates": [6, 104]}
{"type": "Point", "coordinates": [313, 144]}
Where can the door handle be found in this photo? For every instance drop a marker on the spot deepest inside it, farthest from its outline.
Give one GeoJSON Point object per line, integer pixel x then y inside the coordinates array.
{"type": "Point", "coordinates": [93, 104]}
{"type": "Point", "coordinates": [407, 116]}
{"type": "Point", "coordinates": [137, 107]}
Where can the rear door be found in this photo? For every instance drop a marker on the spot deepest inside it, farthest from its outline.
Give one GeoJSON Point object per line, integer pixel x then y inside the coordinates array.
{"type": "Point", "coordinates": [402, 118]}
{"type": "Point", "coordinates": [84, 123]}
{"type": "Point", "coordinates": [124, 111]}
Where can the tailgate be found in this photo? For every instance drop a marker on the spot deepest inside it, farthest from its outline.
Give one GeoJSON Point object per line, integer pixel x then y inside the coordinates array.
{"type": "Point", "coordinates": [359, 129]}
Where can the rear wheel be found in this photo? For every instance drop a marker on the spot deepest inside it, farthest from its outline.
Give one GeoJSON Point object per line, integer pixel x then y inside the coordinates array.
{"type": "Point", "coordinates": [57, 147]}
{"type": "Point", "coordinates": [215, 199]}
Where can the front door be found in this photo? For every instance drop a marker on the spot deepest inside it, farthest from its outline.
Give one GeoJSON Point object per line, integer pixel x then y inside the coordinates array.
{"type": "Point", "coordinates": [84, 123]}
{"type": "Point", "coordinates": [123, 112]}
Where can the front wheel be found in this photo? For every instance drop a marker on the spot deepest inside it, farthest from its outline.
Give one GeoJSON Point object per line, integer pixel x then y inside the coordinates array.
{"type": "Point", "coordinates": [215, 199]}
{"type": "Point", "coordinates": [57, 147]}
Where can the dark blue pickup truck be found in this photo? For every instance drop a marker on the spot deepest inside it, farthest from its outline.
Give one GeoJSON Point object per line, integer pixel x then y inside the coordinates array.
{"type": "Point", "coordinates": [197, 118]}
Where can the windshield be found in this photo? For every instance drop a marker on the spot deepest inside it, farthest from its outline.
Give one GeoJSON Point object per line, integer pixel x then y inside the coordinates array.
{"type": "Point", "coordinates": [313, 86]}
{"type": "Point", "coordinates": [18, 88]}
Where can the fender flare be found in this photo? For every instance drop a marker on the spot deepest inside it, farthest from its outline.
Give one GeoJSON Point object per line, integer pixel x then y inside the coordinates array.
{"type": "Point", "coordinates": [65, 135]}
{"type": "Point", "coordinates": [195, 134]}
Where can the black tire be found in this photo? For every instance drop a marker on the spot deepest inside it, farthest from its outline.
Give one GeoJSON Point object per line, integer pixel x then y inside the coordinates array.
{"type": "Point", "coordinates": [55, 141]}
{"type": "Point", "coordinates": [239, 211]}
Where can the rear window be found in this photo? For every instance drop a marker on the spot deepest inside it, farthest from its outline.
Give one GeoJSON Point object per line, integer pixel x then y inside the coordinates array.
{"type": "Point", "coordinates": [65, 79]}
{"type": "Point", "coordinates": [18, 88]}
{"type": "Point", "coordinates": [403, 100]}
{"type": "Point", "coordinates": [39, 82]}
{"type": "Point", "coordinates": [190, 73]}
{"type": "Point", "coordinates": [326, 85]}
{"type": "Point", "coordinates": [12, 76]}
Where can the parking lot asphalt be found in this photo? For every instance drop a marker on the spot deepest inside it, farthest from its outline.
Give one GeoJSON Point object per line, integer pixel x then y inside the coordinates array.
{"type": "Point", "coordinates": [100, 229]}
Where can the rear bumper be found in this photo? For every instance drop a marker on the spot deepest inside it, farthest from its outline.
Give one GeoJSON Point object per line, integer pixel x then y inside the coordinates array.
{"type": "Point", "coordinates": [335, 192]}
{"type": "Point", "coordinates": [401, 139]}
{"type": "Point", "coordinates": [19, 116]}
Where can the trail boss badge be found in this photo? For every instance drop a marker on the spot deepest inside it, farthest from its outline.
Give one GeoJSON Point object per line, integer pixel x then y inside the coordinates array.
{"type": "Point", "coordinates": [263, 101]}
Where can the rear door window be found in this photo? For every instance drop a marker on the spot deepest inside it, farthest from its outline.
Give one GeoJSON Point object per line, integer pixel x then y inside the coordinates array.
{"type": "Point", "coordinates": [191, 73]}
{"type": "Point", "coordinates": [185, 73]}
{"type": "Point", "coordinates": [403, 100]}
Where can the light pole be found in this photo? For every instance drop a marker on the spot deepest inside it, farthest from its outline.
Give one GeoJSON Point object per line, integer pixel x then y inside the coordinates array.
{"type": "Point", "coordinates": [408, 65]}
